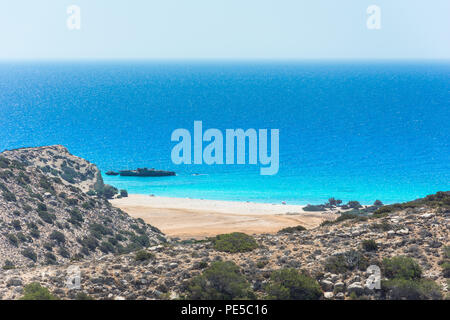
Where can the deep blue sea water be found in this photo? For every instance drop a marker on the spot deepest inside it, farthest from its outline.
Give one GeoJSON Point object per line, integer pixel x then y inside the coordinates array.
{"type": "Point", "coordinates": [361, 131]}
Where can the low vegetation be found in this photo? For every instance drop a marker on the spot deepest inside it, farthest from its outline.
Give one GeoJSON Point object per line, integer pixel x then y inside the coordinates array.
{"type": "Point", "coordinates": [370, 245]}
{"type": "Point", "coordinates": [34, 291]}
{"type": "Point", "coordinates": [289, 284]}
{"type": "Point", "coordinates": [8, 265]}
{"type": "Point", "coordinates": [234, 242]}
{"type": "Point", "coordinates": [437, 200]}
{"type": "Point", "coordinates": [143, 255]}
{"type": "Point", "coordinates": [405, 281]}
{"type": "Point", "coordinates": [223, 280]}
{"type": "Point", "coordinates": [401, 267]}
{"type": "Point", "coordinates": [83, 296]}
{"type": "Point", "coordinates": [30, 254]}
{"type": "Point", "coordinates": [107, 191]}
{"type": "Point", "coordinates": [314, 208]}
{"type": "Point", "coordinates": [347, 261]}
{"type": "Point", "coordinates": [292, 229]}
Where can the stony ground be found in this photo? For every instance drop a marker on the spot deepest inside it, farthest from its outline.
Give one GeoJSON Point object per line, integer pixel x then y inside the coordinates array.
{"type": "Point", "coordinates": [418, 233]}
{"type": "Point", "coordinates": [53, 226]}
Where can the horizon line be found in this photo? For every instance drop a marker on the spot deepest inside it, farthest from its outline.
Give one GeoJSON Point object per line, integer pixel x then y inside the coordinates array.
{"type": "Point", "coordinates": [277, 60]}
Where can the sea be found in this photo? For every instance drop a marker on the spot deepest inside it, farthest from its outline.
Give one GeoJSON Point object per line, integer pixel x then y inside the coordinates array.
{"type": "Point", "coordinates": [363, 130]}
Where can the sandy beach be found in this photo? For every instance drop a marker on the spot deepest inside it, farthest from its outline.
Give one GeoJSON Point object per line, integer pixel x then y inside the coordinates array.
{"type": "Point", "coordinates": [194, 218]}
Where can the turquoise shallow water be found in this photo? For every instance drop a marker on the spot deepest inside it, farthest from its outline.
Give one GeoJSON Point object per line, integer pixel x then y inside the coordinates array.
{"type": "Point", "coordinates": [360, 131]}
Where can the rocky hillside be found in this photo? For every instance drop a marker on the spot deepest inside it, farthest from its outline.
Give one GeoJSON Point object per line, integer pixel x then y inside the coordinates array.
{"type": "Point", "coordinates": [409, 243]}
{"type": "Point", "coordinates": [54, 218]}
{"type": "Point", "coordinates": [51, 211]}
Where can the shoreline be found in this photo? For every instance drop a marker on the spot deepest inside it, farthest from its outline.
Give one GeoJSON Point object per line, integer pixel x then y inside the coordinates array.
{"type": "Point", "coordinates": [187, 218]}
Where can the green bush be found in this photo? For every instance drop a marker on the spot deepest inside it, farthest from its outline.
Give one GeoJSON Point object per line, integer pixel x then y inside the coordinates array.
{"type": "Point", "coordinates": [46, 185]}
{"type": "Point", "coordinates": [27, 208]}
{"type": "Point", "coordinates": [58, 237]}
{"type": "Point", "coordinates": [370, 245]}
{"type": "Point", "coordinates": [87, 205]}
{"type": "Point", "coordinates": [30, 254]}
{"type": "Point", "coordinates": [64, 253]}
{"type": "Point", "coordinates": [34, 291]}
{"type": "Point", "coordinates": [83, 296]}
{"type": "Point", "coordinates": [106, 247]}
{"type": "Point", "coordinates": [314, 208]}
{"type": "Point", "coordinates": [404, 289]}
{"type": "Point", "coordinates": [75, 217]}
{"type": "Point", "coordinates": [42, 207]}
{"type": "Point", "coordinates": [292, 229]}
{"type": "Point", "coordinates": [401, 267]}
{"type": "Point", "coordinates": [4, 162]}
{"type": "Point", "coordinates": [137, 229]}
{"type": "Point", "coordinates": [113, 240]}
{"type": "Point", "coordinates": [16, 224]}
{"type": "Point", "coordinates": [8, 265]}
{"type": "Point", "coordinates": [140, 241]}
{"type": "Point", "coordinates": [120, 237]}
{"type": "Point", "coordinates": [46, 217]}
{"type": "Point", "coordinates": [221, 281]}
{"type": "Point", "coordinates": [143, 255]}
{"type": "Point", "coordinates": [354, 204]}
{"type": "Point", "coordinates": [446, 269]}
{"type": "Point", "coordinates": [405, 281]}
{"type": "Point", "coordinates": [378, 203]}
{"type": "Point", "coordinates": [289, 284]}
{"type": "Point", "coordinates": [98, 230]}
{"type": "Point", "coordinates": [50, 258]}
{"type": "Point", "coordinates": [334, 202]}
{"type": "Point", "coordinates": [347, 261]}
{"type": "Point", "coordinates": [13, 239]}
{"type": "Point", "coordinates": [90, 243]}
{"type": "Point", "coordinates": [447, 252]}
{"type": "Point", "coordinates": [36, 195]}
{"type": "Point", "coordinates": [107, 191]}
{"type": "Point", "coordinates": [9, 196]}
{"type": "Point", "coordinates": [262, 263]}
{"type": "Point", "coordinates": [6, 174]}
{"type": "Point", "coordinates": [71, 201]}
{"type": "Point", "coordinates": [22, 237]}
{"type": "Point", "coordinates": [234, 242]}
{"type": "Point", "coordinates": [35, 233]}
{"type": "Point", "coordinates": [69, 174]}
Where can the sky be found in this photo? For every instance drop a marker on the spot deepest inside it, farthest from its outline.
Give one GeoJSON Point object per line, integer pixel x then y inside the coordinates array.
{"type": "Point", "coordinates": [224, 29]}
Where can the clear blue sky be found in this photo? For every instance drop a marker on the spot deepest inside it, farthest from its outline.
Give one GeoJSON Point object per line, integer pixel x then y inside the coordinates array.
{"type": "Point", "coordinates": [225, 29]}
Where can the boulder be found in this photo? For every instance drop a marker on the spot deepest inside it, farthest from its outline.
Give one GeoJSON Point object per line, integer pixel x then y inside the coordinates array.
{"type": "Point", "coordinates": [402, 232]}
{"type": "Point", "coordinates": [328, 295]}
{"type": "Point", "coordinates": [326, 285]}
{"type": "Point", "coordinates": [355, 287]}
{"type": "Point", "coordinates": [333, 277]}
{"type": "Point", "coordinates": [340, 296]}
{"type": "Point", "coordinates": [390, 233]}
{"type": "Point", "coordinates": [339, 286]}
